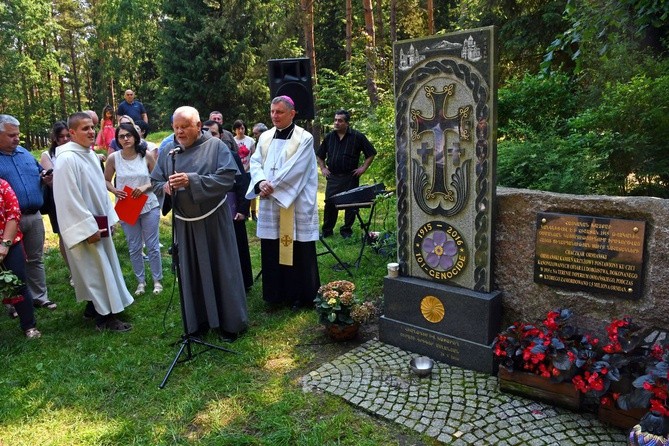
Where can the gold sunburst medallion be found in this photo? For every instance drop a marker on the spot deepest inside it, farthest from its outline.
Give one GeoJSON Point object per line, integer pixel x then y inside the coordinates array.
{"type": "Point", "coordinates": [432, 309]}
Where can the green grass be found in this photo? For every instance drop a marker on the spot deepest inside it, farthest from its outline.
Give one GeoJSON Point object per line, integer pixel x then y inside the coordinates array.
{"type": "Point", "coordinates": [75, 386]}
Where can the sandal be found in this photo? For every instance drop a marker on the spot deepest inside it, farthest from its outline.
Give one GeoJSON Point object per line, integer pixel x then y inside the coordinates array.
{"type": "Point", "coordinates": [157, 288]}
{"type": "Point", "coordinates": [114, 325]}
{"type": "Point", "coordinates": [33, 333]}
{"type": "Point", "coordinates": [141, 287]}
{"type": "Point", "coordinates": [46, 304]}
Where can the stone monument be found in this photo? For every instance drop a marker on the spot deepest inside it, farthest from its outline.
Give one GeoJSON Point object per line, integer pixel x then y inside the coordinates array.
{"type": "Point", "coordinates": [442, 304]}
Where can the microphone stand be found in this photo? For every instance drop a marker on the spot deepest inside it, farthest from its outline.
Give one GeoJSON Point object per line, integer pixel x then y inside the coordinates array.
{"type": "Point", "coordinates": [186, 338]}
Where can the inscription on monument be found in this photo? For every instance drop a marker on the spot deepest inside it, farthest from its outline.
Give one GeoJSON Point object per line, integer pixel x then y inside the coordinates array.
{"type": "Point", "coordinates": [447, 347]}
{"type": "Point", "coordinates": [597, 254]}
{"type": "Point", "coordinates": [440, 250]}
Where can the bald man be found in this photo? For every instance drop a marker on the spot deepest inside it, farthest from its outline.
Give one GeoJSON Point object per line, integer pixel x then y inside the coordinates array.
{"type": "Point", "coordinates": [211, 275]}
{"type": "Point", "coordinates": [135, 109]}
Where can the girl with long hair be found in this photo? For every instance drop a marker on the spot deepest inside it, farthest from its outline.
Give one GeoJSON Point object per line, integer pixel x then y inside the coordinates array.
{"type": "Point", "coordinates": [106, 134]}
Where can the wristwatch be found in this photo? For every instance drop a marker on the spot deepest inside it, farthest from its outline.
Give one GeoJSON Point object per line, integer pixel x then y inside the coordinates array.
{"type": "Point", "coordinates": [7, 243]}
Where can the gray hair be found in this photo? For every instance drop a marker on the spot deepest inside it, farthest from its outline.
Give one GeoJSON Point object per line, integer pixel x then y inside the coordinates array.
{"type": "Point", "coordinates": [8, 120]}
{"type": "Point", "coordinates": [260, 127]}
{"type": "Point", "coordinates": [187, 112]}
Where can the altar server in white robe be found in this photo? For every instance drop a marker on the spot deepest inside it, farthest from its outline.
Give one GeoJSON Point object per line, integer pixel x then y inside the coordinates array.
{"type": "Point", "coordinates": [284, 175]}
{"type": "Point", "coordinates": [83, 205]}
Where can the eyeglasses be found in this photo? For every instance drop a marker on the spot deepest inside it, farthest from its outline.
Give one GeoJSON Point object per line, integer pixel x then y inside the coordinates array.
{"type": "Point", "coordinates": [125, 136]}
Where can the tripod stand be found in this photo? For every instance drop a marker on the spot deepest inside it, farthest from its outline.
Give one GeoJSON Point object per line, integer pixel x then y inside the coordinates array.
{"type": "Point", "coordinates": [187, 339]}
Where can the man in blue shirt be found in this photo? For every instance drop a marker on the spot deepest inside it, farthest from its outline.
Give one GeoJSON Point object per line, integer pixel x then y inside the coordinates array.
{"type": "Point", "coordinates": [135, 110]}
{"type": "Point", "coordinates": [22, 171]}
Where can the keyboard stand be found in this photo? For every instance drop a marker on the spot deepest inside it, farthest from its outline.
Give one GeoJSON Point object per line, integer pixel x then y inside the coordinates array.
{"type": "Point", "coordinates": [365, 225]}
{"type": "Point", "coordinates": [342, 265]}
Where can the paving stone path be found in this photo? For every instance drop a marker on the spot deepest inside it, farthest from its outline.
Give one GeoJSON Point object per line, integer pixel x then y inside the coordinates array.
{"type": "Point", "coordinates": [456, 406]}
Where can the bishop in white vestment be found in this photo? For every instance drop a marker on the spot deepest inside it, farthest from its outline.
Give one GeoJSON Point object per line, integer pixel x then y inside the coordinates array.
{"type": "Point", "coordinates": [284, 175]}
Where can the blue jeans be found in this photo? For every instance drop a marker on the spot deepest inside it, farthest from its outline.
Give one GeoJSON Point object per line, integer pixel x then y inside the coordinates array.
{"type": "Point", "coordinates": [144, 231]}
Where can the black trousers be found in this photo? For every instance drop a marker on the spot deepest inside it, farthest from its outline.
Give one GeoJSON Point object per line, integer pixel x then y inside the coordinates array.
{"type": "Point", "coordinates": [337, 184]}
{"type": "Point", "coordinates": [15, 261]}
{"type": "Point", "coordinates": [297, 284]}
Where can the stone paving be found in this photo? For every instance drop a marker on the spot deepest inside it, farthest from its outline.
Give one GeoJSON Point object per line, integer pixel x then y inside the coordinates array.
{"type": "Point", "coordinates": [456, 406]}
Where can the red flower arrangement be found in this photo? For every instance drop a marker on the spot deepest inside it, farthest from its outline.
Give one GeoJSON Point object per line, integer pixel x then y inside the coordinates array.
{"type": "Point", "coordinates": [558, 352]}
{"type": "Point", "coordinates": [549, 349]}
{"type": "Point", "coordinates": [602, 367]}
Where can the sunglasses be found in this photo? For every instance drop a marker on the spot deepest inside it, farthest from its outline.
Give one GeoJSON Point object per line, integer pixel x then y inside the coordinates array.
{"type": "Point", "coordinates": [125, 136]}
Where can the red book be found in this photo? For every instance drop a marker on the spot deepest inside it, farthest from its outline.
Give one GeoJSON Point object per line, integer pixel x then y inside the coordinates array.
{"type": "Point", "coordinates": [129, 208]}
{"type": "Point", "coordinates": [103, 223]}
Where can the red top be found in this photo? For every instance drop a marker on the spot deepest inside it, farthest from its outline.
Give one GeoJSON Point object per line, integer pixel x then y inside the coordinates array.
{"type": "Point", "coordinates": [9, 209]}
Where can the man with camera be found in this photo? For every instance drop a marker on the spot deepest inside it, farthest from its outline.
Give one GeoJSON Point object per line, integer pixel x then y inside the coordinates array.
{"type": "Point", "coordinates": [24, 174]}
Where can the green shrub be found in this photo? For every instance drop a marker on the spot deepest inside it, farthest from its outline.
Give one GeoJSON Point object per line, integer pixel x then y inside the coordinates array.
{"type": "Point", "coordinates": [536, 104]}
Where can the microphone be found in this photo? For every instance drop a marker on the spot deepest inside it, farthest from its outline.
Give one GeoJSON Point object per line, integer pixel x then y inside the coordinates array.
{"type": "Point", "coordinates": [177, 150]}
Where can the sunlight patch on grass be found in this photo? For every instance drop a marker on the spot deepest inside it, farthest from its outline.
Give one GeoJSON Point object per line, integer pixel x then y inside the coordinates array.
{"type": "Point", "coordinates": [281, 365]}
{"type": "Point", "coordinates": [213, 417]}
{"type": "Point", "coordinates": [65, 426]}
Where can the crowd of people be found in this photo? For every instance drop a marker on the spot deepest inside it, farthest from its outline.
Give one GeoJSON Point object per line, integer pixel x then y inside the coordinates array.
{"type": "Point", "coordinates": [212, 180]}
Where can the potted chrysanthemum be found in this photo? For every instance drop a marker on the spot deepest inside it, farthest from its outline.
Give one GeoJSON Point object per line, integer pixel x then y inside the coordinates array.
{"type": "Point", "coordinates": [341, 311]}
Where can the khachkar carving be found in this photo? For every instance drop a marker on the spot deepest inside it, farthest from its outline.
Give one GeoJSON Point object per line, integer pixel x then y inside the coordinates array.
{"type": "Point", "coordinates": [445, 99]}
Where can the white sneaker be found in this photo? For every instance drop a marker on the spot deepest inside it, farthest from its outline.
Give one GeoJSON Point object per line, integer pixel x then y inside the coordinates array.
{"type": "Point", "coordinates": [141, 287]}
{"type": "Point", "coordinates": [157, 288]}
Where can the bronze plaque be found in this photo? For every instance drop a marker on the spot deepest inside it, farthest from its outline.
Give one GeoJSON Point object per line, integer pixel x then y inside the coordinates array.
{"type": "Point", "coordinates": [596, 254]}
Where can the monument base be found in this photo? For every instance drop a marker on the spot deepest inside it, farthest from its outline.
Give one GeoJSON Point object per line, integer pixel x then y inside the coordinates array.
{"type": "Point", "coordinates": [438, 346]}
{"type": "Point", "coordinates": [450, 324]}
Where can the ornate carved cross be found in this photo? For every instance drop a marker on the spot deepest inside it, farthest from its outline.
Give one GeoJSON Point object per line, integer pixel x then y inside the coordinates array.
{"type": "Point", "coordinates": [440, 124]}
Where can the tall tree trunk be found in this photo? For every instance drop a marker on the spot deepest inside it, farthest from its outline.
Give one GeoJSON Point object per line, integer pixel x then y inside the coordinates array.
{"type": "Point", "coordinates": [308, 26]}
{"type": "Point", "coordinates": [430, 17]}
{"type": "Point", "coordinates": [113, 94]}
{"type": "Point", "coordinates": [49, 84]}
{"type": "Point", "coordinates": [393, 21]}
{"type": "Point", "coordinates": [75, 75]}
{"type": "Point", "coordinates": [349, 30]}
{"type": "Point", "coordinates": [379, 20]}
{"type": "Point", "coordinates": [61, 81]}
{"type": "Point", "coordinates": [372, 90]}
{"type": "Point", "coordinates": [310, 50]}
{"type": "Point", "coordinates": [25, 122]}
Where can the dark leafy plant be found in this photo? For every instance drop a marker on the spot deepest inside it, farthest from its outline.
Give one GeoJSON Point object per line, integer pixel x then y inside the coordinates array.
{"type": "Point", "coordinates": [606, 365]}
{"type": "Point", "coordinates": [548, 349]}
{"type": "Point", "coordinates": [9, 284]}
{"type": "Point", "coordinates": [651, 390]}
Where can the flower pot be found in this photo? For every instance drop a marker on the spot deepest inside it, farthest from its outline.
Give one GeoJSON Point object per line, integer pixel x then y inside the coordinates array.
{"type": "Point", "coordinates": [338, 332]}
{"type": "Point", "coordinates": [624, 419]}
{"type": "Point", "coordinates": [539, 388]}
